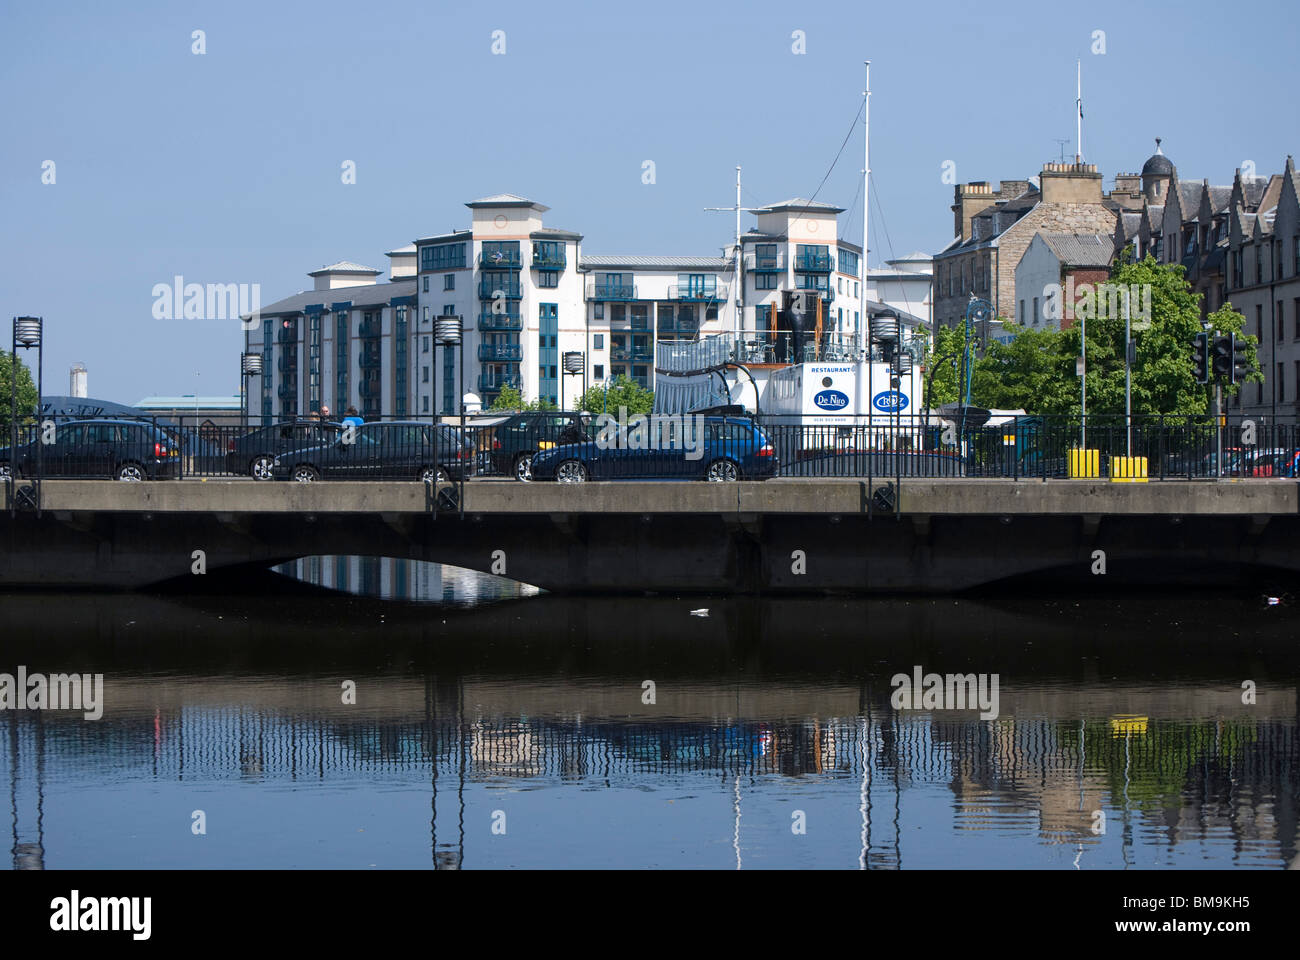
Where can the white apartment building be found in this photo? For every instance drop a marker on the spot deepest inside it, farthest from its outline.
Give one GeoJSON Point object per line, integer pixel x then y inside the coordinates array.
{"type": "Point", "coordinates": [526, 295]}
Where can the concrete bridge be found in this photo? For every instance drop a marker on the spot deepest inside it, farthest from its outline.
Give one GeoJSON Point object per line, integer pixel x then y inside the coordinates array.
{"type": "Point", "coordinates": [784, 536]}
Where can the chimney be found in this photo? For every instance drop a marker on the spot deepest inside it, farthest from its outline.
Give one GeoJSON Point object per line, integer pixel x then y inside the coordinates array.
{"type": "Point", "coordinates": [968, 200]}
{"type": "Point", "coordinates": [1070, 183]}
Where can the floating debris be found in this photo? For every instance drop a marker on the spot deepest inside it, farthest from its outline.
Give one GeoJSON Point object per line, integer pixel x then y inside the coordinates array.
{"type": "Point", "coordinates": [702, 612]}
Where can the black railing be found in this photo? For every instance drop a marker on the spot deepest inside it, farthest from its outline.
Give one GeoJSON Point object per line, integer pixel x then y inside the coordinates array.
{"type": "Point", "coordinates": [691, 446]}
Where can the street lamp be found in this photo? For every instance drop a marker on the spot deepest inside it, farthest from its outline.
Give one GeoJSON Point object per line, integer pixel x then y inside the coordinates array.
{"type": "Point", "coordinates": [976, 309]}
{"type": "Point", "coordinates": [27, 333]}
{"type": "Point", "coordinates": [250, 365]}
{"type": "Point", "coordinates": [449, 332]}
{"type": "Point", "coordinates": [574, 364]}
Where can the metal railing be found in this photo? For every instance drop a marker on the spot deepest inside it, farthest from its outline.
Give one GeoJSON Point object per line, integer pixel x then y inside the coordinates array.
{"type": "Point", "coordinates": [603, 290]}
{"type": "Point", "coordinates": [500, 321]}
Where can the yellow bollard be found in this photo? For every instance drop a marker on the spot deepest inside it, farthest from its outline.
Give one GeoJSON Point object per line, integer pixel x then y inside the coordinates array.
{"type": "Point", "coordinates": [1084, 464]}
{"type": "Point", "coordinates": [1128, 469]}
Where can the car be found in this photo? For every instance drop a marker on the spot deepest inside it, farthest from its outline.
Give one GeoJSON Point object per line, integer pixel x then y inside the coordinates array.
{"type": "Point", "coordinates": [129, 450]}
{"type": "Point", "coordinates": [732, 448]}
{"type": "Point", "coordinates": [517, 439]}
{"type": "Point", "coordinates": [254, 453]}
{"type": "Point", "coordinates": [396, 450]}
{"type": "Point", "coordinates": [1278, 462]}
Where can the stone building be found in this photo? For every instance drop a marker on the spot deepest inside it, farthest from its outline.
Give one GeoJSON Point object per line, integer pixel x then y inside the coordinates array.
{"type": "Point", "coordinates": [994, 228]}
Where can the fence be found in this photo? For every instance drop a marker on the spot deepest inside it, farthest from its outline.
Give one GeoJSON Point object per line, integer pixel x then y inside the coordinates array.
{"type": "Point", "coordinates": [663, 447]}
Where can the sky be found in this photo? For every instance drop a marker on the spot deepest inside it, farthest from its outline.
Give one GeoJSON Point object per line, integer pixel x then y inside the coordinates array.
{"type": "Point", "coordinates": [227, 166]}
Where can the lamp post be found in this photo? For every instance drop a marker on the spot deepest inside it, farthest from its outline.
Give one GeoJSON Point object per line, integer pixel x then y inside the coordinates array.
{"type": "Point", "coordinates": [574, 363]}
{"type": "Point", "coordinates": [250, 365]}
{"type": "Point", "coordinates": [976, 309]}
{"type": "Point", "coordinates": [448, 332]}
{"type": "Point", "coordinates": [27, 333]}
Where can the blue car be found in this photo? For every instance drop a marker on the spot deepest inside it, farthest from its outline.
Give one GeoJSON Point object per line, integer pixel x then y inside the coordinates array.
{"type": "Point", "coordinates": [725, 449]}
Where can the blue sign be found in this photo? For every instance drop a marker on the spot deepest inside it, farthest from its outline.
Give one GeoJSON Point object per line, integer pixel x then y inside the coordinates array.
{"type": "Point", "coordinates": [832, 400]}
{"type": "Point", "coordinates": [889, 401]}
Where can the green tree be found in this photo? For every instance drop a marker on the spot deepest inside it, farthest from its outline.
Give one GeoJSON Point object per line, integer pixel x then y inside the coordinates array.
{"type": "Point", "coordinates": [511, 398]}
{"type": "Point", "coordinates": [1025, 374]}
{"type": "Point", "coordinates": [27, 399]}
{"type": "Point", "coordinates": [623, 392]}
{"type": "Point", "coordinates": [943, 367]}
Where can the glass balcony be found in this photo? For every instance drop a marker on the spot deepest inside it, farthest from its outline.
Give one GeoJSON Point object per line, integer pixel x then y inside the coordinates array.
{"type": "Point", "coordinates": [550, 259]}
{"type": "Point", "coordinates": [287, 363]}
{"type": "Point", "coordinates": [696, 292]}
{"type": "Point", "coordinates": [499, 260]}
{"type": "Point", "coordinates": [370, 360]}
{"type": "Point", "coordinates": [631, 354]}
{"type": "Point", "coordinates": [773, 263]}
{"type": "Point", "coordinates": [371, 329]}
{"type": "Point", "coordinates": [493, 382]}
{"type": "Point", "coordinates": [604, 290]}
{"type": "Point", "coordinates": [814, 262]}
{"type": "Point", "coordinates": [500, 352]}
{"type": "Point", "coordinates": [370, 390]}
{"type": "Point", "coordinates": [511, 289]}
{"type": "Point", "coordinates": [500, 321]}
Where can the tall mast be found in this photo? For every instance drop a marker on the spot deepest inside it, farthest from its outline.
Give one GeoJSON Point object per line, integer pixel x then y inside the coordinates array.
{"type": "Point", "coordinates": [735, 275]}
{"type": "Point", "coordinates": [863, 324]}
{"type": "Point", "coordinates": [1078, 120]}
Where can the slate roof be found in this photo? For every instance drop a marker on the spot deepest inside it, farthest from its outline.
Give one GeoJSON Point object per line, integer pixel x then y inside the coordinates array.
{"type": "Point", "coordinates": [344, 266]}
{"type": "Point", "coordinates": [365, 295]}
{"type": "Point", "coordinates": [1081, 249]}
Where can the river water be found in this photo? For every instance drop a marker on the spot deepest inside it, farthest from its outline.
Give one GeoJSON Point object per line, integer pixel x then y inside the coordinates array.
{"type": "Point", "coordinates": [442, 719]}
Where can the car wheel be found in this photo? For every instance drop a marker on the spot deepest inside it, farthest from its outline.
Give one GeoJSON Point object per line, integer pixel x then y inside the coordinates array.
{"type": "Point", "coordinates": [429, 475]}
{"type": "Point", "coordinates": [130, 472]}
{"type": "Point", "coordinates": [306, 474]}
{"type": "Point", "coordinates": [571, 471]}
{"type": "Point", "coordinates": [260, 468]}
{"type": "Point", "coordinates": [524, 467]}
{"type": "Point", "coordinates": [722, 471]}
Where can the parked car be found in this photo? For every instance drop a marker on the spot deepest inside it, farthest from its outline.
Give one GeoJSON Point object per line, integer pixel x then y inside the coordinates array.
{"type": "Point", "coordinates": [254, 453]}
{"type": "Point", "coordinates": [128, 450]}
{"type": "Point", "coordinates": [732, 448]}
{"type": "Point", "coordinates": [516, 440]}
{"type": "Point", "coordinates": [398, 450]}
{"type": "Point", "coordinates": [1278, 462]}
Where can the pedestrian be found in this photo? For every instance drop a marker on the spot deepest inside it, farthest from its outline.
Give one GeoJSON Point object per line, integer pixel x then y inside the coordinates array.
{"type": "Point", "coordinates": [351, 416]}
{"type": "Point", "coordinates": [324, 413]}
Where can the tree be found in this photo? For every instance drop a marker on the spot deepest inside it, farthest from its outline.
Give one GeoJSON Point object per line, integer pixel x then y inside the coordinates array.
{"type": "Point", "coordinates": [623, 392]}
{"type": "Point", "coordinates": [27, 399]}
{"type": "Point", "coordinates": [511, 398]}
{"type": "Point", "coordinates": [943, 367]}
{"type": "Point", "coordinates": [1025, 374]}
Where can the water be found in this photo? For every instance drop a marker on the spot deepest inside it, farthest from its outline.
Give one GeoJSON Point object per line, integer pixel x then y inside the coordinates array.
{"type": "Point", "coordinates": [499, 729]}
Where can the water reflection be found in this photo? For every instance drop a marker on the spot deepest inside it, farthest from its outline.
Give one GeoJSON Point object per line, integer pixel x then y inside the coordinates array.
{"type": "Point", "coordinates": [519, 734]}
{"type": "Point", "coordinates": [393, 579]}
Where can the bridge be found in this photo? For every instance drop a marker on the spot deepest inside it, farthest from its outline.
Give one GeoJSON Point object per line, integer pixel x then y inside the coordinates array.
{"type": "Point", "coordinates": [783, 536]}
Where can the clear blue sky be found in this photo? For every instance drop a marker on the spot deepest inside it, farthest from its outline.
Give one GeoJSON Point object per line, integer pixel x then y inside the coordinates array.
{"type": "Point", "coordinates": [225, 168]}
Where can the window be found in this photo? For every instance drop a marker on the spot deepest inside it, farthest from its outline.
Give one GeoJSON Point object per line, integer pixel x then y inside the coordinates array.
{"type": "Point", "coordinates": [848, 262]}
{"type": "Point", "coordinates": [1281, 318]}
{"type": "Point", "coordinates": [424, 344]}
{"type": "Point", "coordinates": [449, 310]}
{"type": "Point", "coordinates": [766, 281]}
{"type": "Point", "coordinates": [448, 281]}
{"type": "Point", "coordinates": [426, 314]}
{"type": "Point", "coordinates": [425, 400]}
{"type": "Point", "coordinates": [1259, 322]}
{"type": "Point", "coordinates": [598, 341]}
{"type": "Point", "coordinates": [548, 279]}
{"type": "Point", "coordinates": [1295, 316]}
{"type": "Point", "coordinates": [765, 257]}
{"type": "Point", "coordinates": [424, 376]}
{"type": "Point", "coordinates": [449, 380]}
{"type": "Point", "coordinates": [426, 284]}
{"type": "Point", "coordinates": [1022, 313]}
{"type": "Point", "coordinates": [1035, 311]}
{"type": "Point", "coordinates": [598, 371]}
{"type": "Point", "coordinates": [446, 256]}
{"type": "Point", "coordinates": [1281, 382]}
{"type": "Point", "coordinates": [500, 253]}
{"type": "Point", "coordinates": [600, 311]}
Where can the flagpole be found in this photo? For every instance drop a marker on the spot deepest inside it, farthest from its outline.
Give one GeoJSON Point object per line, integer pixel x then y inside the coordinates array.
{"type": "Point", "coordinates": [1078, 102]}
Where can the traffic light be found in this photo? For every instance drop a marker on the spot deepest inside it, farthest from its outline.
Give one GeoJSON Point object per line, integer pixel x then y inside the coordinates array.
{"type": "Point", "coordinates": [1201, 357]}
{"type": "Point", "coordinates": [1240, 359]}
{"type": "Point", "coordinates": [1221, 355]}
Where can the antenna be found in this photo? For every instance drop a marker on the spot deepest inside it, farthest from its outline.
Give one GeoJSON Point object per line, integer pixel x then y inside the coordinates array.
{"type": "Point", "coordinates": [1078, 140]}
{"type": "Point", "coordinates": [1061, 142]}
{"type": "Point", "coordinates": [735, 277]}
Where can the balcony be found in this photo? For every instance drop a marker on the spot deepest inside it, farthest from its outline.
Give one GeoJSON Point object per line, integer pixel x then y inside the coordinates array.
{"type": "Point", "coordinates": [287, 391]}
{"type": "Point", "coordinates": [499, 260]}
{"type": "Point", "coordinates": [370, 329]}
{"type": "Point", "coordinates": [554, 260]}
{"type": "Point", "coordinates": [500, 321]}
{"type": "Point", "coordinates": [371, 361]}
{"type": "Point", "coordinates": [492, 382]}
{"type": "Point", "coordinates": [490, 289]}
{"type": "Point", "coordinates": [370, 390]}
{"type": "Point", "coordinates": [500, 352]}
{"type": "Point", "coordinates": [287, 364]}
{"type": "Point", "coordinates": [621, 354]}
{"type": "Point", "coordinates": [603, 290]}
{"type": "Point", "coordinates": [698, 293]}
{"type": "Point", "coordinates": [287, 335]}
{"type": "Point", "coordinates": [774, 263]}
{"type": "Point", "coordinates": [814, 262]}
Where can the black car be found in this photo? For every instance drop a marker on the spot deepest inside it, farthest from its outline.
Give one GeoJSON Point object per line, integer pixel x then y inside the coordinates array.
{"type": "Point", "coordinates": [400, 450]}
{"type": "Point", "coordinates": [254, 453]}
{"type": "Point", "coordinates": [516, 440]}
{"type": "Point", "coordinates": [91, 449]}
